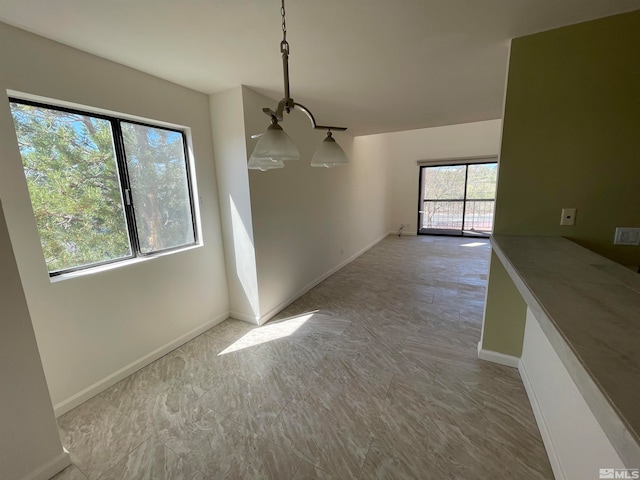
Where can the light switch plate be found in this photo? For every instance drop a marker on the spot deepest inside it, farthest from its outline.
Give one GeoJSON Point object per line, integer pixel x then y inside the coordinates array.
{"type": "Point", "coordinates": [568, 216]}
{"type": "Point", "coordinates": [627, 236]}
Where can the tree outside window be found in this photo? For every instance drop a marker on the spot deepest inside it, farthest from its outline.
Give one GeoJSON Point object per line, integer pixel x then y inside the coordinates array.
{"type": "Point", "coordinates": [102, 189]}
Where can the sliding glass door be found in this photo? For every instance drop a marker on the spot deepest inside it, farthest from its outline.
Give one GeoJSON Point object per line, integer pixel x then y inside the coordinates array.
{"type": "Point", "coordinates": [457, 199]}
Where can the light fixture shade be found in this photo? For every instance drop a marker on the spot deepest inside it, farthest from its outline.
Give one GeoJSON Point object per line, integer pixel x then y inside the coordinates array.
{"type": "Point", "coordinates": [264, 164]}
{"type": "Point", "coordinates": [275, 145]}
{"type": "Point", "coordinates": [329, 154]}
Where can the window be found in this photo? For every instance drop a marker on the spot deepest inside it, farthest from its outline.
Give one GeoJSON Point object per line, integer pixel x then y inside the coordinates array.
{"type": "Point", "coordinates": [103, 189]}
{"type": "Point", "coordinates": [457, 199]}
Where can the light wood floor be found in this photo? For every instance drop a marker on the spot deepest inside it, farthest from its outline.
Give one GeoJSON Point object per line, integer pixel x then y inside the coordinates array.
{"type": "Point", "coordinates": [372, 374]}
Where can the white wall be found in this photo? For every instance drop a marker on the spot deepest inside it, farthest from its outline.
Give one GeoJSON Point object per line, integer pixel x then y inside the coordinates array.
{"type": "Point", "coordinates": [29, 443]}
{"type": "Point", "coordinates": [576, 444]}
{"type": "Point", "coordinates": [401, 151]}
{"type": "Point", "coordinates": [227, 120]}
{"type": "Point", "coordinates": [301, 222]}
{"type": "Point", "coordinates": [91, 327]}
{"type": "Point", "coordinates": [308, 221]}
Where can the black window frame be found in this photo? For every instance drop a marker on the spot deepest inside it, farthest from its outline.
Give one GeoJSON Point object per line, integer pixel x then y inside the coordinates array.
{"type": "Point", "coordinates": [125, 186]}
{"type": "Point", "coordinates": [464, 200]}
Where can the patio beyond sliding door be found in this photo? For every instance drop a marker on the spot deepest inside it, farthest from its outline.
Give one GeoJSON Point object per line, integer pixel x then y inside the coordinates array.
{"type": "Point", "coordinates": [457, 199]}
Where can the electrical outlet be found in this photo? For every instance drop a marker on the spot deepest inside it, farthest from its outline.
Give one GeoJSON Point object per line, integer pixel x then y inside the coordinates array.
{"type": "Point", "coordinates": [627, 236]}
{"type": "Point", "coordinates": [568, 216]}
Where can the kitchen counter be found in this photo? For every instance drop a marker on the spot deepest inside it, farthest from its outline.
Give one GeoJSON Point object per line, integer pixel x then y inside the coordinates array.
{"type": "Point", "coordinates": [588, 307]}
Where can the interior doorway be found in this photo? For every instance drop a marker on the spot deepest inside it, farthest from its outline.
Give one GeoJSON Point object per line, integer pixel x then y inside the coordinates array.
{"type": "Point", "coordinates": [457, 199]}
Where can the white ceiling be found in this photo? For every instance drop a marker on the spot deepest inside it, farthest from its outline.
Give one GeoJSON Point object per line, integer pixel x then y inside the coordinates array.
{"type": "Point", "coordinates": [372, 65]}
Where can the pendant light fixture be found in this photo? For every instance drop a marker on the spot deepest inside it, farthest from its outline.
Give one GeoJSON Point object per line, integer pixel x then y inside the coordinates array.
{"type": "Point", "coordinates": [275, 147]}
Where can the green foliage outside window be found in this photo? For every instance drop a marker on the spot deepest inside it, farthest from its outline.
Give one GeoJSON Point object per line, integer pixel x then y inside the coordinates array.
{"type": "Point", "coordinates": [157, 172]}
{"type": "Point", "coordinates": [71, 166]}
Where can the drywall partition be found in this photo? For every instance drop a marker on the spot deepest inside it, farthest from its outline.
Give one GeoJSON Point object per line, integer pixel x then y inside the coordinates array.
{"type": "Point", "coordinates": [570, 139]}
{"type": "Point", "coordinates": [227, 121]}
{"type": "Point", "coordinates": [503, 301]}
{"type": "Point", "coordinates": [401, 151]}
{"type": "Point", "coordinates": [308, 222]}
{"type": "Point", "coordinates": [97, 328]}
{"type": "Point", "coordinates": [29, 444]}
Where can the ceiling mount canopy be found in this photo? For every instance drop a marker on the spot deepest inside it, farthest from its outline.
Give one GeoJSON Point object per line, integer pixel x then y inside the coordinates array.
{"type": "Point", "coordinates": [275, 147]}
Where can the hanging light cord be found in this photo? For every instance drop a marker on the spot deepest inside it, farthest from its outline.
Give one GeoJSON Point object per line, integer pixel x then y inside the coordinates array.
{"type": "Point", "coordinates": [287, 104]}
{"type": "Point", "coordinates": [284, 24]}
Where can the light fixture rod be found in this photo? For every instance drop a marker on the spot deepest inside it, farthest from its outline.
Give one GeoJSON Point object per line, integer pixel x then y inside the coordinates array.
{"type": "Point", "coordinates": [284, 48]}
{"type": "Point", "coordinates": [287, 102]}
{"type": "Point", "coordinates": [304, 109]}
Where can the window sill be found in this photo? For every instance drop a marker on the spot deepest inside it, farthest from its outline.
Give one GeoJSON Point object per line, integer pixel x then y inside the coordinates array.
{"type": "Point", "coordinates": [119, 264]}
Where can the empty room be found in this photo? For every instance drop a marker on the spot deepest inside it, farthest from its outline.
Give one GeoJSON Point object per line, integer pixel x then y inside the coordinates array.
{"type": "Point", "coordinates": [319, 240]}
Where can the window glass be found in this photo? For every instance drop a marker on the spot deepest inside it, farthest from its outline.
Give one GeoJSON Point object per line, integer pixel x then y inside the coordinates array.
{"type": "Point", "coordinates": [159, 186]}
{"type": "Point", "coordinates": [103, 189]}
{"type": "Point", "coordinates": [71, 170]}
{"type": "Point", "coordinates": [457, 199]}
{"type": "Point", "coordinates": [480, 202]}
{"type": "Point", "coordinates": [481, 182]}
{"type": "Point", "coordinates": [444, 183]}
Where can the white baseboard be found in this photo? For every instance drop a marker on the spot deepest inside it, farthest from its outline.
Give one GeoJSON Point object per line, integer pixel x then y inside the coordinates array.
{"type": "Point", "coordinates": [558, 473]}
{"type": "Point", "coordinates": [244, 317]}
{"type": "Point", "coordinates": [278, 308]}
{"type": "Point", "coordinates": [405, 233]}
{"type": "Point", "coordinates": [497, 357]}
{"type": "Point", "coordinates": [101, 385]}
{"type": "Point", "coordinates": [49, 469]}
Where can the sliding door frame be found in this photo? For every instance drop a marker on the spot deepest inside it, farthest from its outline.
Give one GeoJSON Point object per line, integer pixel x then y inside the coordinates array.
{"type": "Point", "coordinates": [452, 162]}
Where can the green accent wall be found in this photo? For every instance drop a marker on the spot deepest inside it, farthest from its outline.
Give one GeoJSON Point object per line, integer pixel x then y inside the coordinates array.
{"type": "Point", "coordinates": [571, 138]}
{"type": "Point", "coordinates": [571, 135]}
{"type": "Point", "coordinates": [503, 302]}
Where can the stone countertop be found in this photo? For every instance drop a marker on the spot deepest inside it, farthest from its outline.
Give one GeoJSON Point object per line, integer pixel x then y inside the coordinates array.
{"type": "Point", "coordinates": [589, 309]}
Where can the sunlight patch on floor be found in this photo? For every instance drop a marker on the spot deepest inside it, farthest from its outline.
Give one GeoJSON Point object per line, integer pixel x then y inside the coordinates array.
{"type": "Point", "coordinates": [474, 244]}
{"type": "Point", "coordinates": [269, 332]}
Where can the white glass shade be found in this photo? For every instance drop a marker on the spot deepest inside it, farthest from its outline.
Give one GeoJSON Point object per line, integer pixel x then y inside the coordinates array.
{"type": "Point", "coordinates": [264, 164]}
{"type": "Point", "coordinates": [329, 154]}
{"type": "Point", "coordinates": [274, 146]}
